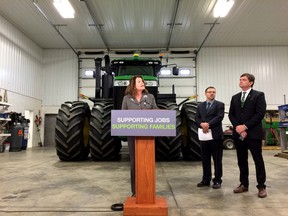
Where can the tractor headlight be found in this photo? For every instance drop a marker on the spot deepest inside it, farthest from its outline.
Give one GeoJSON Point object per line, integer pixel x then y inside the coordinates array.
{"type": "Point", "coordinates": [150, 83]}
{"type": "Point", "coordinates": [121, 83]}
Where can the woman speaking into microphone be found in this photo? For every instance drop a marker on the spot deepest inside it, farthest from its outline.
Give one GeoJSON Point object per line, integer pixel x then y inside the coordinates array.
{"type": "Point", "coordinates": [136, 98]}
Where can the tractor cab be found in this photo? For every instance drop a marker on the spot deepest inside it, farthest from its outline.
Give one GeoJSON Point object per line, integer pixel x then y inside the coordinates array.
{"type": "Point", "coordinates": [125, 68]}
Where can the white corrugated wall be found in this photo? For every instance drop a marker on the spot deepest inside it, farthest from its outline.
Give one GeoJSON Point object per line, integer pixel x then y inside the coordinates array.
{"type": "Point", "coordinates": [222, 67]}
{"type": "Point", "coordinates": [60, 74]}
{"type": "Point", "coordinates": [20, 62]}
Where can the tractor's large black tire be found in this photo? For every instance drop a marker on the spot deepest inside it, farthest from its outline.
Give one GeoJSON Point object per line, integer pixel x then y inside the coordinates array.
{"type": "Point", "coordinates": [169, 148]}
{"type": "Point", "coordinates": [71, 131]}
{"type": "Point", "coordinates": [191, 149]}
{"type": "Point", "coordinates": [103, 146]}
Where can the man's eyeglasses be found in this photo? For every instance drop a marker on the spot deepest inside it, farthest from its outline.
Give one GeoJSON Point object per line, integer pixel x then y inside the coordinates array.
{"type": "Point", "coordinates": [211, 92]}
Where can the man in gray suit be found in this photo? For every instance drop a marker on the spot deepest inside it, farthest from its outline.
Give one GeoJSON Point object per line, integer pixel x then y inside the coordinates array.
{"type": "Point", "coordinates": [247, 109]}
{"type": "Point", "coordinates": [209, 116]}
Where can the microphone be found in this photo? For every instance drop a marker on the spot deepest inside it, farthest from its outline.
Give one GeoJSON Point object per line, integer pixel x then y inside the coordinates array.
{"type": "Point", "coordinates": [145, 100]}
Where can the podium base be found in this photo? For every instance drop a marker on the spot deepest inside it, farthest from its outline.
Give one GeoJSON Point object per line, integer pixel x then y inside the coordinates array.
{"type": "Point", "coordinates": [158, 209]}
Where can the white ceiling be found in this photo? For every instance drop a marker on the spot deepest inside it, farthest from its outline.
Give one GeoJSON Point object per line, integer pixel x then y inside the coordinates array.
{"type": "Point", "coordinates": [144, 24]}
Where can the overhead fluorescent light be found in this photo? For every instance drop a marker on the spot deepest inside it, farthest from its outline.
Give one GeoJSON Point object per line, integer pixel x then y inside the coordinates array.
{"type": "Point", "coordinates": [64, 8]}
{"type": "Point", "coordinates": [223, 7]}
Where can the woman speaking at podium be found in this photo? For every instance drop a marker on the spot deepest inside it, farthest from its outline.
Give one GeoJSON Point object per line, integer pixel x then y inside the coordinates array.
{"type": "Point", "coordinates": [136, 98]}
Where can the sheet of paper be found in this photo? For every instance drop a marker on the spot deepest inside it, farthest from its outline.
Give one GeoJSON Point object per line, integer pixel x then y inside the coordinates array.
{"type": "Point", "coordinates": [204, 136]}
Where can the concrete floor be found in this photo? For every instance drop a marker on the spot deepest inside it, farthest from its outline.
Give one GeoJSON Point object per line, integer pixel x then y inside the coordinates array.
{"type": "Point", "coordinates": [35, 182]}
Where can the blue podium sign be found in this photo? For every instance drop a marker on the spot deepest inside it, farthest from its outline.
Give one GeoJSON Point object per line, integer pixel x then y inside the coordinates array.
{"type": "Point", "coordinates": [143, 123]}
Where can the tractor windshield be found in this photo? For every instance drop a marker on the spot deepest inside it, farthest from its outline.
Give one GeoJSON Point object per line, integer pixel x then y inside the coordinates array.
{"type": "Point", "coordinates": [136, 66]}
{"type": "Point", "coordinates": [145, 70]}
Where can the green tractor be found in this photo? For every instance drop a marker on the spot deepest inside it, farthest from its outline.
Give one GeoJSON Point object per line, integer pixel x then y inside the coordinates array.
{"type": "Point", "coordinates": [80, 131]}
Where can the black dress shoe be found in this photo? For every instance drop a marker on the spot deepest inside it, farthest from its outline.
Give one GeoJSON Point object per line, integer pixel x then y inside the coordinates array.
{"type": "Point", "coordinates": [216, 185]}
{"type": "Point", "coordinates": [203, 184]}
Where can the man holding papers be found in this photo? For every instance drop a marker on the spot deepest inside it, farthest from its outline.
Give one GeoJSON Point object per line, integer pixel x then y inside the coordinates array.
{"type": "Point", "coordinates": [209, 118]}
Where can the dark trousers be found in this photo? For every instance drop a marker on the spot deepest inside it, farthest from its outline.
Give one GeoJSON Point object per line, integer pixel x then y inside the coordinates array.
{"type": "Point", "coordinates": [214, 149]}
{"type": "Point", "coordinates": [255, 147]}
{"type": "Point", "coordinates": [131, 146]}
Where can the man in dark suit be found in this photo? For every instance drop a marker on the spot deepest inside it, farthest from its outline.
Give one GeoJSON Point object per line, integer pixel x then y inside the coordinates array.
{"type": "Point", "coordinates": [209, 116]}
{"type": "Point", "coordinates": [247, 109]}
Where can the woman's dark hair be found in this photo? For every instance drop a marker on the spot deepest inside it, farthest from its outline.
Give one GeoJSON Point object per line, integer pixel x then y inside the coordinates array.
{"type": "Point", "coordinates": [131, 88]}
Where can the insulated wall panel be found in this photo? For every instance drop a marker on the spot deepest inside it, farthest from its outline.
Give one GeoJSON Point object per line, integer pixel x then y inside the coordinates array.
{"type": "Point", "coordinates": [60, 74]}
{"type": "Point", "coordinates": [20, 62]}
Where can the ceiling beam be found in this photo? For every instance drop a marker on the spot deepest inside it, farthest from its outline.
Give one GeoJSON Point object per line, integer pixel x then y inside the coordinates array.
{"type": "Point", "coordinates": [97, 24]}
{"type": "Point", "coordinates": [172, 23]}
{"type": "Point", "coordinates": [211, 28]}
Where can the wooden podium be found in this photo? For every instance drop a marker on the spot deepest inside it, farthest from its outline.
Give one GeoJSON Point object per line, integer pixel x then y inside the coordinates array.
{"type": "Point", "coordinates": [144, 125]}
{"type": "Point", "coordinates": [145, 202]}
